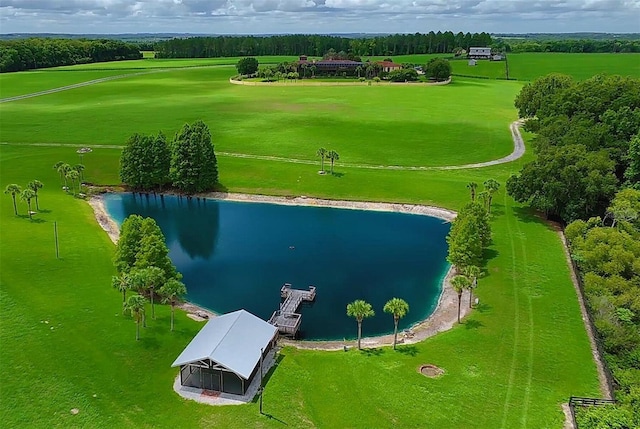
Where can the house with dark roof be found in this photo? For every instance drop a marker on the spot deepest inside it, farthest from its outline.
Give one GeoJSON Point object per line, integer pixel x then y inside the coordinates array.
{"type": "Point", "coordinates": [225, 355]}
{"type": "Point", "coordinates": [330, 66]}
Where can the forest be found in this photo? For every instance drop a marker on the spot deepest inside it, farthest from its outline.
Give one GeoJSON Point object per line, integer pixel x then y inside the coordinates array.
{"type": "Point", "coordinates": [317, 45]}
{"type": "Point", "coordinates": [36, 53]}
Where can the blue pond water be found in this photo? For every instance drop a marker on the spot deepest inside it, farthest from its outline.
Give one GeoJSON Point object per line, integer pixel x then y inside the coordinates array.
{"type": "Point", "coordinates": [237, 255]}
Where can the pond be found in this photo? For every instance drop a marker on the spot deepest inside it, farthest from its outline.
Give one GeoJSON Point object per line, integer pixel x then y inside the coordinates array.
{"type": "Point", "coordinates": [239, 254]}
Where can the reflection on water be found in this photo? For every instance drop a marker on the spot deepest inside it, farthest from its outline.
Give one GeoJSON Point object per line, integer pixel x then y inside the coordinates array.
{"type": "Point", "coordinates": [237, 255]}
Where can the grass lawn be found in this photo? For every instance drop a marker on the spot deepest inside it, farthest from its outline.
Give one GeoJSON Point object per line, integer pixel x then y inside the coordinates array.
{"type": "Point", "coordinates": [381, 124]}
{"type": "Point", "coordinates": [528, 66]}
{"type": "Point", "coordinates": [510, 365]}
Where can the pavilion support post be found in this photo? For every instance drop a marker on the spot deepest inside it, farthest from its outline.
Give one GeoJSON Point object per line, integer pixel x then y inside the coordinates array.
{"type": "Point", "coordinates": [261, 387]}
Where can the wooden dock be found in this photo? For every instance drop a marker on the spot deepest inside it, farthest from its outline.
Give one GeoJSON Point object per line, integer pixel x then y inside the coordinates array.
{"type": "Point", "coordinates": [286, 318]}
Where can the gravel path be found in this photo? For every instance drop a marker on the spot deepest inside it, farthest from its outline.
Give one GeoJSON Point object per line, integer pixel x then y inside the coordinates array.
{"type": "Point", "coordinates": [518, 151]}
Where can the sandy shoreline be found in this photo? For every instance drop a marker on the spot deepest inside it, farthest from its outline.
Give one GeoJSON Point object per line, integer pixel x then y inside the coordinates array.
{"type": "Point", "coordinates": [444, 317]}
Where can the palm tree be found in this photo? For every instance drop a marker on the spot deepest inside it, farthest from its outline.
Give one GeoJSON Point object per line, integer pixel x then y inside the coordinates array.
{"type": "Point", "coordinates": [135, 305]}
{"type": "Point", "coordinates": [333, 156]}
{"type": "Point", "coordinates": [72, 175]}
{"type": "Point", "coordinates": [472, 186]}
{"type": "Point", "coordinates": [27, 195]}
{"type": "Point", "coordinates": [483, 197]}
{"type": "Point", "coordinates": [491, 186]}
{"type": "Point", "coordinates": [56, 167]}
{"type": "Point", "coordinates": [80, 169]}
{"type": "Point", "coordinates": [322, 153]}
{"type": "Point", "coordinates": [360, 310]}
{"type": "Point", "coordinates": [148, 279]}
{"type": "Point", "coordinates": [472, 272]}
{"type": "Point", "coordinates": [35, 185]}
{"type": "Point", "coordinates": [172, 292]}
{"type": "Point", "coordinates": [63, 169]}
{"type": "Point", "coordinates": [359, 70]}
{"type": "Point", "coordinates": [13, 189]}
{"type": "Point", "coordinates": [459, 284]}
{"type": "Point", "coordinates": [122, 283]}
{"type": "Point", "coordinates": [399, 308]}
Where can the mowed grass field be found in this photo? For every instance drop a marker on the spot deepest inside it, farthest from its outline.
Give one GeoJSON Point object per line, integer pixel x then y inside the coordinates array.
{"type": "Point", "coordinates": [528, 66]}
{"type": "Point", "coordinates": [511, 364]}
{"type": "Point", "coordinates": [404, 125]}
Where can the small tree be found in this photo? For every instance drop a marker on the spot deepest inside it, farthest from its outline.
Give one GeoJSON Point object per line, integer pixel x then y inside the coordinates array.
{"type": "Point", "coordinates": [73, 175]}
{"type": "Point", "coordinates": [122, 284]}
{"type": "Point", "coordinates": [35, 185]}
{"type": "Point", "coordinates": [80, 169]}
{"type": "Point", "coordinates": [27, 195]}
{"type": "Point", "coordinates": [491, 186]}
{"type": "Point", "coordinates": [322, 153]}
{"type": "Point", "coordinates": [173, 292]}
{"type": "Point", "coordinates": [135, 306]}
{"type": "Point", "coordinates": [459, 284]}
{"type": "Point", "coordinates": [247, 66]}
{"type": "Point", "coordinates": [333, 157]}
{"type": "Point", "coordinates": [13, 190]}
{"type": "Point", "coordinates": [472, 272]}
{"type": "Point", "coordinates": [148, 280]}
{"type": "Point", "coordinates": [398, 308]}
{"type": "Point", "coordinates": [360, 310]}
{"type": "Point", "coordinates": [472, 186]}
{"type": "Point", "coordinates": [56, 167]}
{"type": "Point", "coordinates": [63, 169]}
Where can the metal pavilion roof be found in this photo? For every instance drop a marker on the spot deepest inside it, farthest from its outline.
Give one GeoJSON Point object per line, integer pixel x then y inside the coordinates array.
{"type": "Point", "coordinates": [232, 340]}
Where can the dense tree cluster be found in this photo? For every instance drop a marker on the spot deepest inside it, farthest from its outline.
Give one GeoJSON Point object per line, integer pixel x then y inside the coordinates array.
{"type": "Point", "coordinates": [188, 163]}
{"type": "Point", "coordinates": [318, 45]}
{"type": "Point", "coordinates": [587, 143]}
{"type": "Point", "coordinates": [403, 75]}
{"type": "Point", "coordinates": [145, 162]}
{"type": "Point", "coordinates": [438, 69]}
{"type": "Point", "coordinates": [607, 252]}
{"type": "Point", "coordinates": [247, 66]}
{"type": "Point", "coordinates": [36, 53]}
{"type": "Point", "coordinates": [143, 265]}
{"type": "Point", "coordinates": [470, 233]}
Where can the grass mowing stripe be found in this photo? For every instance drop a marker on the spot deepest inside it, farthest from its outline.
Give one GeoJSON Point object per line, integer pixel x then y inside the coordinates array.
{"type": "Point", "coordinates": [527, 390]}
{"type": "Point", "coordinates": [516, 317]}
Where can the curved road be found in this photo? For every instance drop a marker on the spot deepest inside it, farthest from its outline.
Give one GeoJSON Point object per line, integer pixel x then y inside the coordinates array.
{"type": "Point", "coordinates": [518, 151]}
{"type": "Point", "coordinates": [518, 143]}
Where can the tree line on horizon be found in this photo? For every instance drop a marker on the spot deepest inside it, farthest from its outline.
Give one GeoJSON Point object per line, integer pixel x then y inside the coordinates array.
{"type": "Point", "coordinates": [37, 53]}
{"type": "Point", "coordinates": [318, 45]}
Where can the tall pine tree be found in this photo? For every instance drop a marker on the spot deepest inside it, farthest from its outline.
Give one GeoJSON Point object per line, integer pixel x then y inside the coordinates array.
{"type": "Point", "coordinates": [194, 167]}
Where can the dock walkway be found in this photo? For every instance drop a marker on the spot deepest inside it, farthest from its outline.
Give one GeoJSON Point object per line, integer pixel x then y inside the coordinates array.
{"type": "Point", "coordinates": [286, 319]}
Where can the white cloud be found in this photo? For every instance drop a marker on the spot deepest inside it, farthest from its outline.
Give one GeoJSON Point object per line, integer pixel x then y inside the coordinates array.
{"type": "Point", "coordinates": [319, 16]}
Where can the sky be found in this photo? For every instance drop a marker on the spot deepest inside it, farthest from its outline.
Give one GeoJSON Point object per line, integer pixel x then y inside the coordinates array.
{"type": "Point", "coordinates": [317, 16]}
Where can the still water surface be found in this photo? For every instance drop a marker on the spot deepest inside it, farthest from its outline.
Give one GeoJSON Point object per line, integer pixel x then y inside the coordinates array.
{"type": "Point", "coordinates": [237, 255]}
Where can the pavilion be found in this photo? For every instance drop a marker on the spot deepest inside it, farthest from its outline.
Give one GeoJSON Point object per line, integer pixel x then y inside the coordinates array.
{"type": "Point", "coordinates": [225, 355]}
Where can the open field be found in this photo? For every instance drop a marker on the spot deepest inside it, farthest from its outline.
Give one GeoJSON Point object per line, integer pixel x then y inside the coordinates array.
{"type": "Point", "coordinates": [528, 66]}
{"type": "Point", "coordinates": [406, 125]}
{"type": "Point", "coordinates": [510, 365]}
